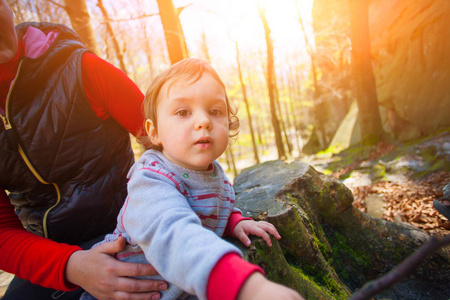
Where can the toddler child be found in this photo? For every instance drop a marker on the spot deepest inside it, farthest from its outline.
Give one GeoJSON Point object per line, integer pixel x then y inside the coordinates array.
{"type": "Point", "coordinates": [180, 201]}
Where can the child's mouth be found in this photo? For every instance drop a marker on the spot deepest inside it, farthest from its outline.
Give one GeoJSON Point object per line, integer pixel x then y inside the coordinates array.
{"type": "Point", "coordinates": [204, 142]}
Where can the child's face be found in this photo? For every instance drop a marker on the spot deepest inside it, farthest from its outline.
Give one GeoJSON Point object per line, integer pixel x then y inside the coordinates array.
{"type": "Point", "coordinates": [192, 122]}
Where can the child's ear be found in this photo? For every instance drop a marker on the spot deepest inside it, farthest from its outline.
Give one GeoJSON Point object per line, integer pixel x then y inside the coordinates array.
{"type": "Point", "coordinates": [152, 132]}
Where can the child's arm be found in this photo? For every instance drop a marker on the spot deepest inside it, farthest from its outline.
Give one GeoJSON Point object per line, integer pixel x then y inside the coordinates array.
{"type": "Point", "coordinates": [235, 218]}
{"type": "Point", "coordinates": [258, 287]}
{"type": "Point", "coordinates": [234, 278]}
{"type": "Point", "coordinates": [158, 218]}
{"type": "Point", "coordinates": [261, 229]}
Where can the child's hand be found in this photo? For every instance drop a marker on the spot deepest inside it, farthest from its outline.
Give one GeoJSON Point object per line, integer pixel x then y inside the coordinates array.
{"type": "Point", "coordinates": [261, 228]}
{"type": "Point", "coordinates": [258, 287]}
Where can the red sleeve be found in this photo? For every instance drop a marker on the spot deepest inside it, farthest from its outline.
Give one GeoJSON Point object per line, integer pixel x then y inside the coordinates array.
{"type": "Point", "coordinates": [228, 276]}
{"type": "Point", "coordinates": [111, 93]}
{"type": "Point", "coordinates": [28, 256]}
{"type": "Point", "coordinates": [235, 218]}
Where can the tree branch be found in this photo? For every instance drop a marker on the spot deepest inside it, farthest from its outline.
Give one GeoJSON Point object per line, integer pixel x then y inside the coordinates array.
{"type": "Point", "coordinates": [401, 271]}
{"type": "Point", "coordinates": [181, 8]}
{"type": "Point", "coordinates": [135, 18]}
{"type": "Point", "coordinates": [57, 4]}
{"type": "Point", "coordinates": [178, 11]}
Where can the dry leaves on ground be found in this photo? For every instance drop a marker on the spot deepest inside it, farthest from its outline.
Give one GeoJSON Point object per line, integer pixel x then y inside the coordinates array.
{"type": "Point", "coordinates": [410, 201]}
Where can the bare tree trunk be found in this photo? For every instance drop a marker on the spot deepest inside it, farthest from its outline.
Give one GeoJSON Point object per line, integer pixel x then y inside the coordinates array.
{"type": "Point", "coordinates": [244, 95]}
{"type": "Point", "coordinates": [288, 126]}
{"type": "Point", "coordinates": [113, 36]}
{"type": "Point", "coordinates": [282, 122]}
{"type": "Point", "coordinates": [204, 46]}
{"type": "Point", "coordinates": [146, 38]}
{"type": "Point", "coordinates": [39, 13]}
{"type": "Point", "coordinates": [18, 10]}
{"type": "Point", "coordinates": [231, 157]}
{"type": "Point", "coordinates": [271, 87]}
{"type": "Point", "coordinates": [259, 123]}
{"type": "Point", "coordinates": [366, 94]}
{"type": "Point", "coordinates": [176, 45]}
{"type": "Point", "coordinates": [228, 160]}
{"type": "Point", "coordinates": [293, 112]}
{"type": "Point", "coordinates": [319, 110]}
{"type": "Point", "coordinates": [81, 23]}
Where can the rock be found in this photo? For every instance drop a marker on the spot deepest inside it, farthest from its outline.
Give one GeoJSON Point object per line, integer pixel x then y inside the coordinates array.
{"type": "Point", "coordinates": [409, 56]}
{"type": "Point", "coordinates": [375, 205]}
{"type": "Point", "coordinates": [328, 247]}
{"type": "Point", "coordinates": [349, 131]}
{"type": "Point", "coordinates": [410, 63]}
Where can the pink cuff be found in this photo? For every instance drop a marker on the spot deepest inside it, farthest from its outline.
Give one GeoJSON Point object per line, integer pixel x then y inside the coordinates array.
{"type": "Point", "coordinates": [228, 276]}
{"type": "Point", "coordinates": [235, 218]}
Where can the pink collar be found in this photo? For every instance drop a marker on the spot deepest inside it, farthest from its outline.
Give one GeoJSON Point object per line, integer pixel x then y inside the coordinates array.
{"type": "Point", "coordinates": [37, 42]}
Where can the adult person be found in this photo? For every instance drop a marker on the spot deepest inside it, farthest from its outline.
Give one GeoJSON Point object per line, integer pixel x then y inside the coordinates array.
{"type": "Point", "coordinates": [64, 154]}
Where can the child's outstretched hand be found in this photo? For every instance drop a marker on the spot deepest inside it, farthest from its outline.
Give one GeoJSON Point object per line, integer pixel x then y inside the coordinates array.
{"type": "Point", "coordinates": [261, 229]}
{"type": "Point", "coordinates": [258, 287]}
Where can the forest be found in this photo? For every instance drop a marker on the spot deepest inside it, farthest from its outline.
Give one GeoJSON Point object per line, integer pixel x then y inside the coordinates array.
{"type": "Point", "coordinates": [358, 89]}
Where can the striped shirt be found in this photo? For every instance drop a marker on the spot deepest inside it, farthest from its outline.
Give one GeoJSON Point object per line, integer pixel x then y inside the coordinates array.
{"type": "Point", "coordinates": [173, 217]}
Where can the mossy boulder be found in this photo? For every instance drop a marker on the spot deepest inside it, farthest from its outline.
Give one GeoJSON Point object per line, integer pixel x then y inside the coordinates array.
{"type": "Point", "coordinates": [329, 248]}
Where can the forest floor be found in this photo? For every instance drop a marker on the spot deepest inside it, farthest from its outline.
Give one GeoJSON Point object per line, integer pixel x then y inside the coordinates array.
{"type": "Point", "coordinates": [396, 182]}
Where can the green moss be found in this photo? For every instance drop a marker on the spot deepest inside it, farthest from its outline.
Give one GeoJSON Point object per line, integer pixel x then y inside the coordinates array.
{"type": "Point", "coordinates": [316, 232]}
{"type": "Point", "coordinates": [321, 246]}
{"type": "Point", "coordinates": [439, 165]}
{"type": "Point", "coordinates": [330, 287]}
{"type": "Point", "coordinates": [327, 172]}
{"type": "Point", "coordinates": [346, 175]}
{"type": "Point", "coordinates": [334, 149]}
{"type": "Point", "coordinates": [308, 278]}
{"type": "Point", "coordinates": [345, 256]}
{"type": "Point", "coordinates": [378, 171]}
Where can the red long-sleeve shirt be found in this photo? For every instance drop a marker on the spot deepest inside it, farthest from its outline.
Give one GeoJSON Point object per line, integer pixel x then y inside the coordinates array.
{"type": "Point", "coordinates": [111, 94]}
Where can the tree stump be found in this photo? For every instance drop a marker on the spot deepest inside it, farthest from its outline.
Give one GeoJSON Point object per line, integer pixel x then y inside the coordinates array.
{"type": "Point", "coordinates": [329, 249]}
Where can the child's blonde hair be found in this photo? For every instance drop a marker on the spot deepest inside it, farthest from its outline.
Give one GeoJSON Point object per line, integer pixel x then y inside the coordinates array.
{"type": "Point", "coordinates": [190, 70]}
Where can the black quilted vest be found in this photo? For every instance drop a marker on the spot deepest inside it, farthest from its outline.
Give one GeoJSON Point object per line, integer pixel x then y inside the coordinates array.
{"type": "Point", "coordinates": [65, 168]}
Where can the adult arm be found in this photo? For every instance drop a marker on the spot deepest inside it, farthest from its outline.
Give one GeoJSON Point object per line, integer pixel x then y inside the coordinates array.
{"type": "Point", "coordinates": [47, 263]}
{"type": "Point", "coordinates": [111, 93]}
{"type": "Point", "coordinates": [31, 257]}
{"type": "Point", "coordinates": [103, 276]}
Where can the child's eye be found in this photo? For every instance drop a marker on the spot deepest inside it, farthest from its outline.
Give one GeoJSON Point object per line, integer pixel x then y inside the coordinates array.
{"type": "Point", "coordinates": [215, 112]}
{"type": "Point", "coordinates": [182, 112]}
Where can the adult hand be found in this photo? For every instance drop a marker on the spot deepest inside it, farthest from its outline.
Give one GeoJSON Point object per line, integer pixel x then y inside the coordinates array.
{"type": "Point", "coordinates": [258, 287]}
{"type": "Point", "coordinates": [99, 273]}
{"type": "Point", "coordinates": [261, 229]}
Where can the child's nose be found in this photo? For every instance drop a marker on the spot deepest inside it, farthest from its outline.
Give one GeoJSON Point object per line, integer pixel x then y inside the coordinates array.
{"type": "Point", "coordinates": [203, 122]}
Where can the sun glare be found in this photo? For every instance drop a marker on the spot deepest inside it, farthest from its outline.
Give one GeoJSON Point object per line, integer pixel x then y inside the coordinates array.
{"type": "Point", "coordinates": [225, 21]}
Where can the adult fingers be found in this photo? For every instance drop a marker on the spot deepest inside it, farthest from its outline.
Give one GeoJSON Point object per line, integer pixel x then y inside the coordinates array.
{"type": "Point", "coordinates": [136, 286]}
{"type": "Point", "coordinates": [111, 247]}
{"type": "Point", "coordinates": [122, 268]}
{"type": "Point", "coordinates": [126, 269]}
{"type": "Point", "coordinates": [119, 295]}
